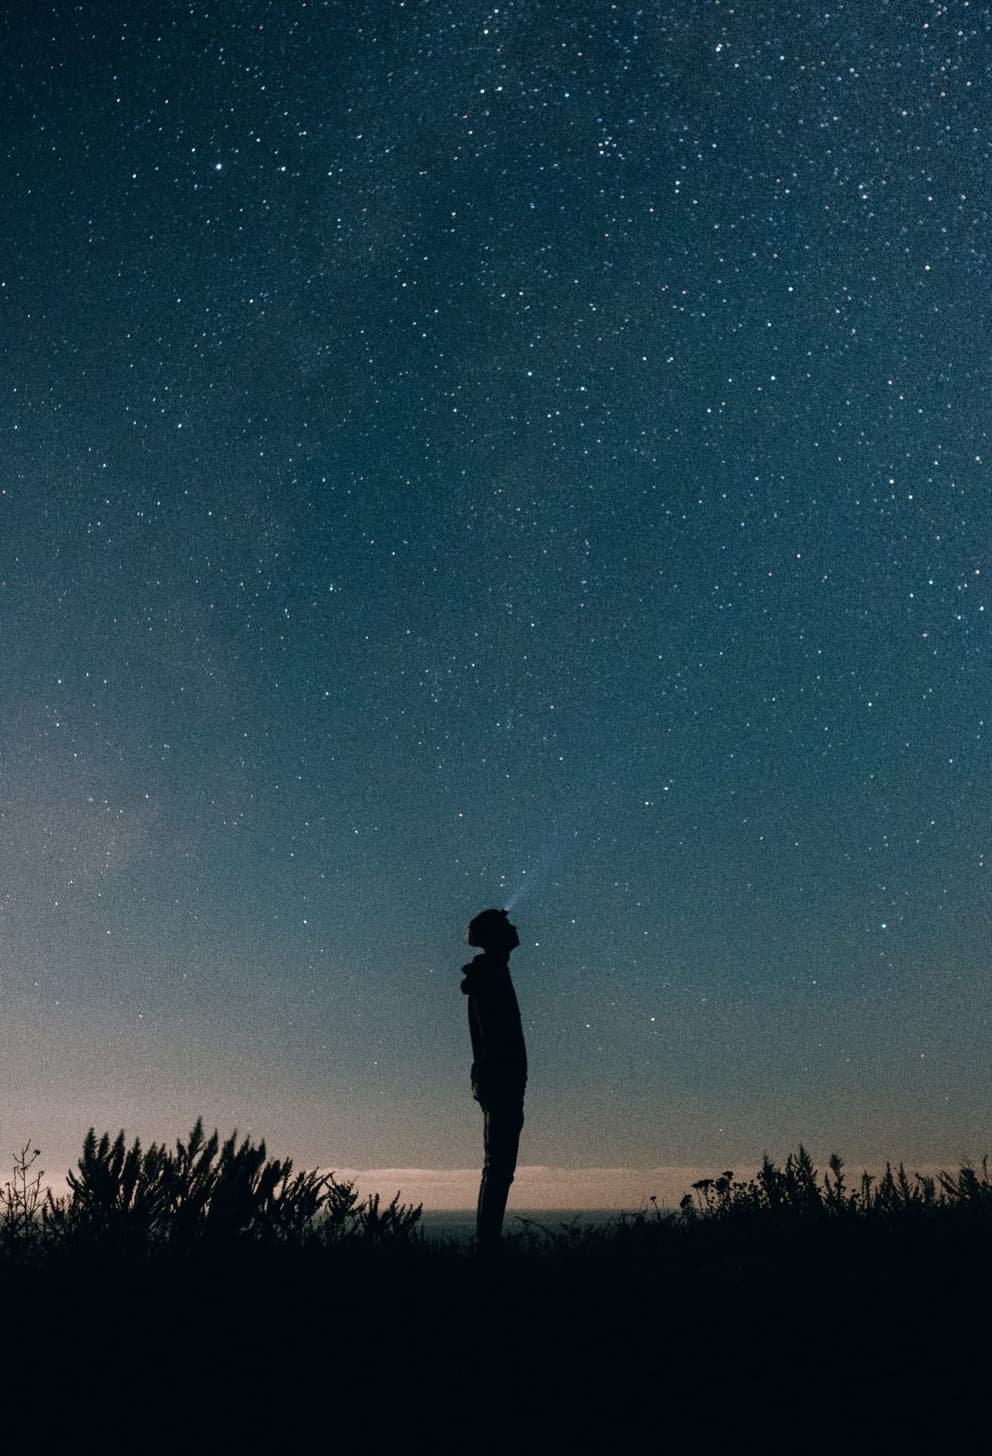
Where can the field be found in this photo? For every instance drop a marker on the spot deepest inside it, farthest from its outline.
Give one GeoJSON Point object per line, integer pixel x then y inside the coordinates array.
{"type": "Point", "coordinates": [789, 1312]}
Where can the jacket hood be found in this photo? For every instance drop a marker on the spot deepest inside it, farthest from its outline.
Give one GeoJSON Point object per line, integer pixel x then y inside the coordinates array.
{"type": "Point", "coordinates": [467, 974]}
{"type": "Point", "coordinates": [482, 965]}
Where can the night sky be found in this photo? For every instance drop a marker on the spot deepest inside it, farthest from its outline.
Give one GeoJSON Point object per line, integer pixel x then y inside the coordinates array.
{"type": "Point", "coordinates": [459, 455]}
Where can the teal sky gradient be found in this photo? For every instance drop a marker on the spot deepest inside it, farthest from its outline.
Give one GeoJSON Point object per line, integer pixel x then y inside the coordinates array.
{"type": "Point", "coordinates": [456, 456]}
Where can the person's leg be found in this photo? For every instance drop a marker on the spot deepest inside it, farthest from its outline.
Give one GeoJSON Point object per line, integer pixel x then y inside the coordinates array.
{"type": "Point", "coordinates": [503, 1122]}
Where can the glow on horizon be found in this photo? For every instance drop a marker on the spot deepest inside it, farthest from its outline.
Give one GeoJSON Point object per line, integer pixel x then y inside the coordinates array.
{"type": "Point", "coordinates": [454, 1190]}
{"type": "Point", "coordinates": [549, 1190]}
{"type": "Point", "coordinates": [573, 1190]}
{"type": "Point", "coordinates": [445, 1190]}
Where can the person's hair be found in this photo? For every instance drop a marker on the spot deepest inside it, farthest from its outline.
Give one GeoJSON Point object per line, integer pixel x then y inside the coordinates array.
{"type": "Point", "coordinates": [487, 926]}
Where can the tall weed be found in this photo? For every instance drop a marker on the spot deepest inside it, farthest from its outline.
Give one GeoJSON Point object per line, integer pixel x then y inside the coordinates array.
{"type": "Point", "coordinates": [205, 1192]}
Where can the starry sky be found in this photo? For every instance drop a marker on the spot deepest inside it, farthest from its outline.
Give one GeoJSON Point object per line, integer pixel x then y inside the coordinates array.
{"type": "Point", "coordinates": [456, 455]}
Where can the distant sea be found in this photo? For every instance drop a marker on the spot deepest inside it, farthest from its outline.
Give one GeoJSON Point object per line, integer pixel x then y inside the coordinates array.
{"type": "Point", "coordinates": [458, 1225]}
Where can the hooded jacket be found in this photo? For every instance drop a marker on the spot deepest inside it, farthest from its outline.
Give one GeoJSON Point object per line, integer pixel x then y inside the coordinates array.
{"type": "Point", "coordinates": [499, 1055]}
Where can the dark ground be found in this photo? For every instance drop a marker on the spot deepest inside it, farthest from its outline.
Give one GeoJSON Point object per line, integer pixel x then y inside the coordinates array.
{"type": "Point", "coordinates": [857, 1337]}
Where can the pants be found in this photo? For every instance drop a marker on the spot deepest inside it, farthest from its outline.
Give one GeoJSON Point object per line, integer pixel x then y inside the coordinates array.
{"type": "Point", "coordinates": [504, 1117]}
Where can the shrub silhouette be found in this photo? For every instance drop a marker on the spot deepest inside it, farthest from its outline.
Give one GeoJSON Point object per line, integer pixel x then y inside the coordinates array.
{"type": "Point", "coordinates": [205, 1194]}
{"type": "Point", "coordinates": [22, 1204]}
{"type": "Point", "coordinates": [797, 1191]}
{"type": "Point", "coordinates": [208, 1192]}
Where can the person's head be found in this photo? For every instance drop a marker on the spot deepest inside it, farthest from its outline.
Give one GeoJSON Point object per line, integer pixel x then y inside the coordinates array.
{"type": "Point", "coordinates": [491, 930]}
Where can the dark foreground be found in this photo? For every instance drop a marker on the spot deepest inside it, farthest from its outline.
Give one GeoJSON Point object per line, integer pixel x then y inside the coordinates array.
{"type": "Point", "coordinates": [208, 1298]}
{"type": "Point", "coordinates": [816, 1338]}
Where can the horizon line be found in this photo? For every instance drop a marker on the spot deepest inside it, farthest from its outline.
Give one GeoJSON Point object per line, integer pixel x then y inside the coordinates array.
{"type": "Point", "coordinates": [550, 1188]}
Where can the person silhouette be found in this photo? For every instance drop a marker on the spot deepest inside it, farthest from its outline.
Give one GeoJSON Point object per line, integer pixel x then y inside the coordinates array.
{"type": "Point", "coordinates": [499, 1065]}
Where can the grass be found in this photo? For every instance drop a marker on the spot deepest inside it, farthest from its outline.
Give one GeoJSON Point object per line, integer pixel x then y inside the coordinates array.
{"type": "Point", "coordinates": [209, 1295]}
{"type": "Point", "coordinates": [203, 1195]}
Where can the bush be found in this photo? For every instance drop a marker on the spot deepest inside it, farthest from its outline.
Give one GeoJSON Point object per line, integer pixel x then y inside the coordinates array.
{"type": "Point", "coordinates": [797, 1191]}
{"type": "Point", "coordinates": [22, 1204]}
{"type": "Point", "coordinates": [204, 1193]}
